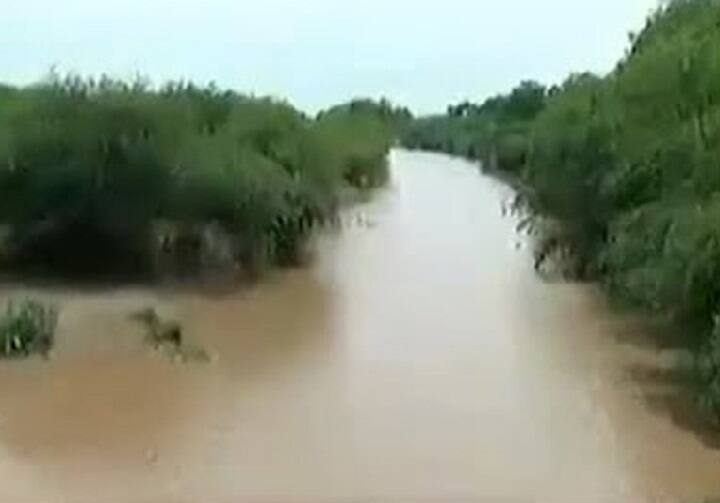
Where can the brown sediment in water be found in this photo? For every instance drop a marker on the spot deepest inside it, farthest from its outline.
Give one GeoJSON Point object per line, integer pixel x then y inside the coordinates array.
{"type": "Point", "coordinates": [418, 358]}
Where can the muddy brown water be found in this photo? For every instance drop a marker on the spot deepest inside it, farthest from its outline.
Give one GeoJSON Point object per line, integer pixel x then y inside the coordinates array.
{"type": "Point", "coordinates": [419, 359]}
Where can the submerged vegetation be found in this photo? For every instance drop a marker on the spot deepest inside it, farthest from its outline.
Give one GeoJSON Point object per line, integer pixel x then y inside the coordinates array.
{"type": "Point", "coordinates": [166, 335]}
{"type": "Point", "coordinates": [621, 173]}
{"type": "Point", "coordinates": [27, 328]}
{"type": "Point", "coordinates": [159, 331]}
{"type": "Point", "coordinates": [108, 175]}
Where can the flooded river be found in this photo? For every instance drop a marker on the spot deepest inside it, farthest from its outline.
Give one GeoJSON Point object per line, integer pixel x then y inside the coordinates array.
{"type": "Point", "coordinates": [418, 359]}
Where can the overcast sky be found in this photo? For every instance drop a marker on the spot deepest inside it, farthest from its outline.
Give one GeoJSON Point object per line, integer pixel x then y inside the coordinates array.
{"type": "Point", "coordinates": [421, 53]}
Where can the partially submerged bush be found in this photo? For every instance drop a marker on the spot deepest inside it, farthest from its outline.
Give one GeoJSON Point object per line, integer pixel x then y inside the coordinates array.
{"type": "Point", "coordinates": [167, 336]}
{"type": "Point", "coordinates": [709, 372]}
{"type": "Point", "coordinates": [27, 328]}
{"type": "Point", "coordinates": [159, 331]}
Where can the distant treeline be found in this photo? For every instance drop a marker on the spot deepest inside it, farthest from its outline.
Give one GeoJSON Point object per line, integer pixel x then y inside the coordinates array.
{"type": "Point", "coordinates": [620, 174]}
{"type": "Point", "coordinates": [102, 174]}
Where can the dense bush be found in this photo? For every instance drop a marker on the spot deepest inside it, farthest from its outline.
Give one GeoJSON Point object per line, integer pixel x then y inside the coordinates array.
{"type": "Point", "coordinates": [628, 165]}
{"type": "Point", "coordinates": [88, 168]}
{"type": "Point", "coordinates": [354, 133]}
{"type": "Point", "coordinates": [27, 328]}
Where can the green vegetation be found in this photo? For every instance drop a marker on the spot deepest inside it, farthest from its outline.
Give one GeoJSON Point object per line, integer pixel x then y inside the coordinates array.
{"type": "Point", "coordinates": [27, 328]}
{"type": "Point", "coordinates": [106, 175]}
{"type": "Point", "coordinates": [621, 174]}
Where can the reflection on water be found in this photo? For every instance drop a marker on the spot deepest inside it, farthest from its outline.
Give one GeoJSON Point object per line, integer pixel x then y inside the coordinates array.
{"type": "Point", "coordinates": [418, 359]}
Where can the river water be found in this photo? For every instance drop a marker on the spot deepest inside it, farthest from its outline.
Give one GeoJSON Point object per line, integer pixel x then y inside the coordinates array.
{"type": "Point", "coordinates": [418, 359]}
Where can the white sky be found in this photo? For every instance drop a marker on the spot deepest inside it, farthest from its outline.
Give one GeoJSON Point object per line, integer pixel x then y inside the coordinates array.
{"type": "Point", "coordinates": [424, 54]}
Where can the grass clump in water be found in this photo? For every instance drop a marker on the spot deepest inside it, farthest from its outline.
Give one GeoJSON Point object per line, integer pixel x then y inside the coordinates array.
{"type": "Point", "coordinates": [27, 328]}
